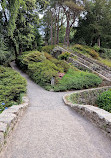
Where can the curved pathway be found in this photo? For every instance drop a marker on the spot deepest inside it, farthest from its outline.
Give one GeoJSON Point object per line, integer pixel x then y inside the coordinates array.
{"type": "Point", "coordinates": [49, 129]}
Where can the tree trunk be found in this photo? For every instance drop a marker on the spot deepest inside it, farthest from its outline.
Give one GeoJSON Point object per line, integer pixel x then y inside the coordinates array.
{"type": "Point", "coordinates": [98, 41]}
{"type": "Point", "coordinates": [51, 30]}
{"type": "Point", "coordinates": [55, 31]}
{"type": "Point", "coordinates": [58, 27]}
{"type": "Point", "coordinates": [68, 36]}
{"type": "Point", "coordinates": [68, 29]}
{"type": "Point", "coordinates": [58, 34]}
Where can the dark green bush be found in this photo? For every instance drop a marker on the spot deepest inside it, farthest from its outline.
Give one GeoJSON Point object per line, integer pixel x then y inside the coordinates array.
{"type": "Point", "coordinates": [12, 84]}
{"type": "Point", "coordinates": [104, 101]}
{"type": "Point", "coordinates": [5, 57]}
{"type": "Point", "coordinates": [105, 53]}
{"type": "Point", "coordinates": [77, 80]}
{"type": "Point", "coordinates": [48, 48]}
{"type": "Point", "coordinates": [64, 56]}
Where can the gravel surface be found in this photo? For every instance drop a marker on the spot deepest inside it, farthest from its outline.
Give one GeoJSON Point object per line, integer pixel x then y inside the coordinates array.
{"type": "Point", "coordinates": [50, 129]}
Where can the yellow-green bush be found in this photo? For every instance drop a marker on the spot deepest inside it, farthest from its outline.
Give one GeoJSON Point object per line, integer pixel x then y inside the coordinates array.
{"type": "Point", "coordinates": [48, 56]}
{"type": "Point", "coordinates": [48, 48]}
{"type": "Point", "coordinates": [28, 57]}
{"type": "Point", "coordinates": [86, 50]}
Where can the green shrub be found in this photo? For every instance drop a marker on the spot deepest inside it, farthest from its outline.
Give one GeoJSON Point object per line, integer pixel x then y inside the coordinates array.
{"type": "Point", "coordinates": [43, 72]}
{"type": "Point", "coordinates": [64, 56]}
{"type": "Point", "coordinates": [48, 48]}
{"type": "Point", "coordinates": [5, 57]}
{"type": "Point", "coordinates": [77, 80]}
{"type": "Point", "coordinates": [104, 101]}
{"type": "Point", "coordinates": [12, 84]}
{"type": "Point", "coordinates": [28, 57]}
{"type": "Point", "coordinates": [61, 64]}
{"type": "Point", "coordinates": [105, 53]}
{"type": "Point", "coordinates": [48, 56]}
{"type": "Point", "coordinates": [96, 48]}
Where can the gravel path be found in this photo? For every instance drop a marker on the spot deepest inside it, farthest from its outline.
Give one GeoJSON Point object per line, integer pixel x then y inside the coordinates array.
{"type": "Point", "coordinates": [49, 129]}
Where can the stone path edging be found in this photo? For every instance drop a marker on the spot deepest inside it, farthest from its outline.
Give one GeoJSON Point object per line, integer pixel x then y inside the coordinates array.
{"type": "Point", "coordinates": [99, 117]}
{"type": "Point", "coordinates": [9, 118]}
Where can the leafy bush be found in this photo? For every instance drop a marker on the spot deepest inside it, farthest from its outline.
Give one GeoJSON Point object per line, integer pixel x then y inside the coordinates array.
{"type": "Point", "coordinates": [48, 48]}
{"type": "Point", "coordinates": [61, 64]}
{"type": "Point", "coordinates": [105, 53]}
{"type": "Point", "coordinates": [104, 101]}
{"type": "Point", "coordinates": [43, 72]}
{"type": "Point", "coordinates": [28, 57]}
{"type": "Point", "coordinates": [77, 80]}
{"type": "Point", "coordinates": [86, 50]}
{"type": "Point", "coordinates": [96, 48]}
{"type": "Point", "coordinates": [12, 84]}
{"type": "Point", "coordinates": [34, 57]}
{"type": "Point", "coordinates": [48, 56]}
{"type": "Point", "coordinates": [43, 68]}
{"type": "Point", "coordinates": [5, 57]}
{"type": "Point", "coordinates": [64, 56]}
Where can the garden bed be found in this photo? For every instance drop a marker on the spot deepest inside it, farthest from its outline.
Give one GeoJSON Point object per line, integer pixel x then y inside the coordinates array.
{"type": "Point", "coordinates": [42, 68]}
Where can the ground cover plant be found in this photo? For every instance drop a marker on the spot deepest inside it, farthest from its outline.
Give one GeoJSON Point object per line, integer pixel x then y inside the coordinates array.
{"type": "Point", "coordinates": [104, 101]}
{"type": "Point", "coordinates": [86, 50]}
{"type": "Point", "coordinates": [12, 86]}
{"type": "Point", "coordinates": [48, 48]}
{"type": "Point", "coordinates": [101, 54]}
{"type": "Point", "coordinates": [42, 68]}
{"type": "Point", "coordinates": [77, 80]}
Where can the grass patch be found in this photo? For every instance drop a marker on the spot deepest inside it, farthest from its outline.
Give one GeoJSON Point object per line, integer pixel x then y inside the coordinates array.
{"type": "Point", "coordinates": [106, 62]}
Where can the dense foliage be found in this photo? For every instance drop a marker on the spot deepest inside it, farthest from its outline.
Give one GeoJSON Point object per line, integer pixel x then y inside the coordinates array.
{"type": "Point", "coordinates": [19, 25]}
{"type": "Point", "coordinates": [12, 85]}
{"type": "Point", "coordinates": [104, 101]}
{"type": "Point", "coordinates": [42, 67]}
{"type": "Point", "coordinates": [94, 26]}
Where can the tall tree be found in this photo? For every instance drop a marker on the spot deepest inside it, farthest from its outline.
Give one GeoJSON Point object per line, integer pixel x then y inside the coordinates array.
{"type": "Point", "coordinates": [95, 26]}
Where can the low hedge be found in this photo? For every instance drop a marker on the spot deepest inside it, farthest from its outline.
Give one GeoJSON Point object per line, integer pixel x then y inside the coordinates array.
{"type": "Point", "coordinates": [104, 101]}
{"type": "Point", "coordinates": [12, 85]}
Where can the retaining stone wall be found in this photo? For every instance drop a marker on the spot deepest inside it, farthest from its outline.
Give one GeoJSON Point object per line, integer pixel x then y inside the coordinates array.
{"type": "Point", "coordinates": [99, 117]}
{"type": "Point", "coordinates": [9, 118]}
{"type": "Point", "coordinates": [88, 97]}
